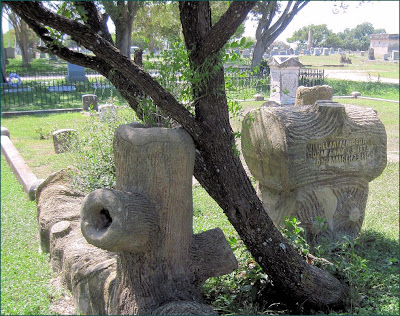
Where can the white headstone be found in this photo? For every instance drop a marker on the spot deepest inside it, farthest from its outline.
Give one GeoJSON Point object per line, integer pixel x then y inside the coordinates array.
{"type": "Point", "coordinates": [284, 75]}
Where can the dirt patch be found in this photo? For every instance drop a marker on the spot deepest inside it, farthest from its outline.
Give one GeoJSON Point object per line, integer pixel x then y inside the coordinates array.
{"type": "Point", "coordinates": [64, 305]}
{"type": "Point", "coordinates": [393, 156]}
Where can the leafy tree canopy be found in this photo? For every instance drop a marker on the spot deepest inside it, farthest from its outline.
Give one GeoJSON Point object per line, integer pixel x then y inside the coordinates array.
{"type": "Point", "coordinates": [353, 39]}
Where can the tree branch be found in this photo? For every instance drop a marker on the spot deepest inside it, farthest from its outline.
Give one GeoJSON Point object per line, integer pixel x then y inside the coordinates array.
{"type": "Point", "coordinates": [272, 33]}
{"type": "Point", "coordinates": [216, 36]}
{"type": "Point", "coordinates": [95, 20]}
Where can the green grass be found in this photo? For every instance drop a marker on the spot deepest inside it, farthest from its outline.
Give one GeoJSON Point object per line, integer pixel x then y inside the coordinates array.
{"type": "Point", "coordinates": [380, 90]}
{"type": "Point", "coordinates": [39, 153]}
{"type": "Point", "coordinates": [25, 274]}
{"type": "Point", "coordinates": [385, 69]}
{"type": "Point", "coordinates": [388, 113]}
{"type": "Point", "coordinates": [37, 65]}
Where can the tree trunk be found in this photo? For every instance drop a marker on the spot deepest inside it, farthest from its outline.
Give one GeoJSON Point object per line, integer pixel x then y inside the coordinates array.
{"type": "Point", "coordinates": [123, 38]}
{"type": "Point", "coordinates": [221, 173]}
{"type": "Point", "coordinates": [3, 53]}
{"type": "Point", "coordinates": [258, 53]}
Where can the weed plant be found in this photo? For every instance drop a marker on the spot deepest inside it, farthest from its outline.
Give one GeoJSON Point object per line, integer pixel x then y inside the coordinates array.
{"type": "Point", "coordinates": [94, 150]}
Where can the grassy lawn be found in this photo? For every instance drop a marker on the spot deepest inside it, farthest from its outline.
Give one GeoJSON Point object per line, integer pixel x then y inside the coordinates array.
{"type": "Point", "coordinates": [378, 67]}
{"type": "Point", "coordinates": [39, 153]}
{"type": "Point", "coordinates": [369, 264]}
{"type": "Point", "coordinates": [25, 274]}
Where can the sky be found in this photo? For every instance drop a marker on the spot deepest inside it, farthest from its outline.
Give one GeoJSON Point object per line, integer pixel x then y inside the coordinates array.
{"type": "Point", "coordinates": [382, 14]}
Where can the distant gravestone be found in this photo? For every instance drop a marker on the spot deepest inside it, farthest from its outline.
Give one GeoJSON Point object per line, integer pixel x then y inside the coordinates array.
{"type": "Point", "coordinates": [246, 53]}
{"type": "Point", "coordinates": [385, 56]}
{"type": "Point", "coordinates": [290, 51]}
{"type": "Point", "coordinates": [89, 102]}
{"type": "Point", "coordinates": [362, 53]}
{"type": "Point", "coordinates": [10, 52]}
{"type": "Point", "coordinates": [314, 162]}
{"type": "Point", "coordinates": [325, 51]}
{"type": "Point", "coordinates": [284, 79]}
{"type": "Point", "coordinates": [310, 95]}
{"type": "Point", "coordinates": [395, 55]}
{"type": "Point", "coordinates": [53, 57]}
{"type": "Point", "coordinates": [64, 140]}
{"type": "Point", "coordinates": [107, 111]}
{"type": "Point", "coordinates": [274, 52]}
{"type": "Point", "coordinates": [76, 73]}
{"type": "Point", "coordinates": [371, 55]}
{"type": "Point", "coordinates": [317, 52]}
{"type": "Point", "coordinates": [258, 97]}
{"type": "Point", "coordinates": [296, 51]}
{"type": "Point", "coordinates": [340, 51]}
{"type": "Point", "coordinates": [332, 51]}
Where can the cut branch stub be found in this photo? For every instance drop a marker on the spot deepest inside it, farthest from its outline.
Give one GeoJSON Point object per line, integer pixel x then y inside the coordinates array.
{"type": "Point", "coordinates": [147, 220]}
{"type": "Point", "coordinates": [119, 221]}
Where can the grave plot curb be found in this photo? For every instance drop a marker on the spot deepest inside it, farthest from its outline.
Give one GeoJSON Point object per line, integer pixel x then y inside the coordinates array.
{"type": "Point", "coordinates": [53, 111]}
{"type": "Point", "coordinates": [18, 165]}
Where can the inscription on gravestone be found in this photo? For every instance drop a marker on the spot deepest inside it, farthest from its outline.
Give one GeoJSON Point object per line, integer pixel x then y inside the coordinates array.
{"type": "Point", "coordinates": [339, 151]}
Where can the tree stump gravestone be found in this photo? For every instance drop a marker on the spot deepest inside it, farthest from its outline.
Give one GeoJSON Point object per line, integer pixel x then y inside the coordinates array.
{"type": "Point", "coordinates": [314, 162]}
{"type": "Point", "coordinates": [147, 220]}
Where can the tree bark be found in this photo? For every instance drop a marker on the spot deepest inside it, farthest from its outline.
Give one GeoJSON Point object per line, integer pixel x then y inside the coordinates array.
{"type": "Point", "coordinates": [265, 33]}
{"type": "Point", "coordinates": [3, 53]}
{"type": "Point", "coordinates": [217, 167]}
{"type": "Point", "coordinates": [122, 15]}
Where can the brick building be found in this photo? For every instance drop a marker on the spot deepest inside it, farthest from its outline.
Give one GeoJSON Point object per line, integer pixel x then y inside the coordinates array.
{"type": "Point", "coordinates": [384, 43]}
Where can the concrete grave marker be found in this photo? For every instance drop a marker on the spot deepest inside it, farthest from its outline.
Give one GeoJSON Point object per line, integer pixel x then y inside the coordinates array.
{"type": "Point", "coordinates": [10, 52]}
{"type": "Point", "coordinates": [284, 74]}
{"type": "Point", "coordinates": [76, 73]}
{"type": "Point", "coordinates": [314, 162]}
{"type": "Point", "coordinates": [64, 139]}
{"type": "Point", "coordinates": [89, 102]}
{"type": "Point", "coordinates": [371, 54]}
{"type": "Point", "coordinates": [395, 55]}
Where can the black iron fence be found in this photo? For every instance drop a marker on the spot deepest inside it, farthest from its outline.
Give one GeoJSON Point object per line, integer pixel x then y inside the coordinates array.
{"type": "Point", "coordinates": [51, 90]}
{"type": "Point", "coordinates": [32, 91]}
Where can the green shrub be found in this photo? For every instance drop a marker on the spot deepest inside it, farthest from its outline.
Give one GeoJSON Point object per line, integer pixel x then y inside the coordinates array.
{"type": "Point", "coordinates": [95, 158]}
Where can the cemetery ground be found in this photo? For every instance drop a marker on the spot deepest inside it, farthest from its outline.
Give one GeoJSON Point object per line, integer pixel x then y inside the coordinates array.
{"type": "Point", "coordinates": [369, 264]}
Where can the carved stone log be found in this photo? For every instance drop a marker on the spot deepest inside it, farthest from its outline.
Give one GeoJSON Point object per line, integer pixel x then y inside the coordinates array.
{"type": "Point", "coordinates": [56, 201]}
{"type": "Point", "coordinates": [310, 95]}
{"type": "Point", "coordinates": [147, 220]}
{"type": "Point", "coordinates": [315, 162]}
